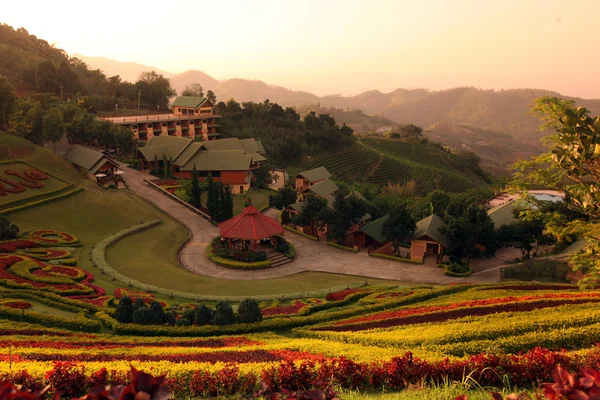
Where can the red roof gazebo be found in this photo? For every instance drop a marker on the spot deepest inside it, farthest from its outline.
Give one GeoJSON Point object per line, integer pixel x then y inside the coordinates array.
{"type": "Point", "coordinates": [250, 225]}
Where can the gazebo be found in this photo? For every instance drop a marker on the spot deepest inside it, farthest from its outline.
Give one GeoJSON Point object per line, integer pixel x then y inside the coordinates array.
{"type": "Point", "coordinates": [249, 225]}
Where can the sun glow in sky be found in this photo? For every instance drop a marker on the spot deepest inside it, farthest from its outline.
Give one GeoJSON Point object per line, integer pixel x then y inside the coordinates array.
{"type": "Point", "coordinates": [331, 46]}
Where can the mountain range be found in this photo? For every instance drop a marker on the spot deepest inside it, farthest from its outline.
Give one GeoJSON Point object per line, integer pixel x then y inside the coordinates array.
{"type": "Point", "coordinates": [466, 117]}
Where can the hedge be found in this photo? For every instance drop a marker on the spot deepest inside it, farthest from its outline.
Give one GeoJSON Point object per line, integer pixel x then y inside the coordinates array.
{"type": "Point", "coordinates": [19, 294]}
{"type": "Point", "coordinates": [233, 264]}
{"type": "Point", "coordinates": [54, 299]}
{"type": "Point", "coordinates": [107, 319]}
{"type": "Point", "coordinates": [98, 256]}
{"type": "Point", "coordinates": [281, 323]}
{"type": "Point", "coordinates": [339, 246]}
{"type": "Point", "coordinates": [79, 323]}
{"type": "Point", "coordinates": [447, 272]}
{"type": "Point", "coordinates": [40, 202]}
{"type": "Point", "coordinates": [399, 259]}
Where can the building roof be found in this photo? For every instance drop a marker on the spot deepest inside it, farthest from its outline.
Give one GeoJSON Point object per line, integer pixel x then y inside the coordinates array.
{"type": "Point", "coordinates": [258, 157]}
{"type": "Point", "coordinates": [84, 157]}
{"type": "Point", "coordinates": [324, 188]}
{"type": "Point", "coordinates": [219, 160]}
{"type": "Point", "coordinates": [186, 154]}
{"type": "Point", "coordinates": [189, 101]}
{"type": "Point", "coordinates": [375, 228]}
{"type": "Point", "coordinates": [261, 148]}
{"type": "Point", "coordinates": [169, 146]}
{"type": "Point", "coordinates": [297, 206]}
{"type": "Point", "coordinates": [503, 214]}
{"type": "Point", "coordinates": [430, 227]}
{"type": "Point", "coordinates": [315, 175]}
{"type": "Point", "coordinates": [250, 225]}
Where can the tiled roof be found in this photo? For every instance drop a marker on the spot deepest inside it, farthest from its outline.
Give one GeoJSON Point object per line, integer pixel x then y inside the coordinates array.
{"type": "Point", "coordinates": [314, 175]}
{"type": "Point", "coordinates": [250, 225]}
{"type": "Point", "coordinates": [324, 188]}
{"type": "Point", "coordinates": [430, 227]}
{"type": "Point", "coordinates": [219, 160]}
{"type": "Point", "coordinates": [503, 214]}
{"type": "Point", "coordinates": [189, 101]}
{"type": "Point", "coordinates": [375, 228]}
{"type": "Point", "coordinates": [83, 157]}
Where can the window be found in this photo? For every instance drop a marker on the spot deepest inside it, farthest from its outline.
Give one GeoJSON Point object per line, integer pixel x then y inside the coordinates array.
{"type": "Point", "coordinates": [192, 122]}
{"type": "Point", "coordinates": [241, 189]}
{"type": "Point", "coordinates": [178, 123]}
{"type": "Point", "coordinates": [202, 174]}
{"type": "Point", "coordinates": [164, 124]}
{"type": "Point", "coordinates": [215, 174]}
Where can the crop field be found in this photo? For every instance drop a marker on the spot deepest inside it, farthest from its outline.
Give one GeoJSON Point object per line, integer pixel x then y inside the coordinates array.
{"type": "Point", "coordinates": [367, 338]}
{"type": "Point", "coordinates": [380, 162]}
{"type": "Point", "coordinates": [21, 182]}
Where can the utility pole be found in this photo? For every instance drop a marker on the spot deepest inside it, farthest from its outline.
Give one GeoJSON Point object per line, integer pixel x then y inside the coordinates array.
{"type": "Point", "coordinates": [139, 99]}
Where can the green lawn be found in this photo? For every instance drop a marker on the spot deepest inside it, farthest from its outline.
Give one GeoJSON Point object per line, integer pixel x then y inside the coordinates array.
{"type": "Point", "coordinates": [260, 198]}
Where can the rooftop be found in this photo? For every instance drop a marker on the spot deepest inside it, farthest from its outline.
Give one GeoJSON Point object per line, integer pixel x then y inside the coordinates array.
{"type": "Point", "coordinates": [324, 188]}
{"type": "Point", "coordinates": [315, 175]}
{"type": "Point", "coordinates": [86, 158]}
{"type": "Point", "coordinates": [430, 227]}
{"type": "Point", "coordinates": [375, 228]}
{"type": "Point", "coordinates": [189, 101]}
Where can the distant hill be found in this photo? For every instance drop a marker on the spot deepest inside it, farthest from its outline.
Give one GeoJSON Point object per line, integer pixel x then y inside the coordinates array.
{"type": "Point", "coordinates": [128, 71]}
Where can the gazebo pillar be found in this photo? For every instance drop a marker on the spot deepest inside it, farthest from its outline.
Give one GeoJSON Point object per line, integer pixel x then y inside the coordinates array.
{"type": "Point", "coordinates": [230, 245]}
{"type": "Point", "coordinates": [254, 245]}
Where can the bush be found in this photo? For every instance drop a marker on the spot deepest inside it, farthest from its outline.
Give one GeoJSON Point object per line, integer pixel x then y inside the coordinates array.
{"type": "Point", "coordinates": [249, 311]}
{"type": "Point", "coordinates": [183, 322]}
{"type": "Point", "coordinates": [223, 314]}
{"type": "Point", "coordinates": [189, 315]}
{"type": "Point", "coordinates": [139, 303]}
{"type": "Point", "coordinates": [124, 311]}
{"type": "Point", "coordinates": [171, 318]}
{"type": "Point", "coordinates": [143, 316]}
{"type": "Point", "coordinates": [203, 315]}
{"type": "Point", "coordinates": [457, 269]}
{"type": "Point", "coordinates": [549, 270]}
{"type": "Point", "coordinates": [256, 256]}
{"type": "Point", "coordinates": [157, 310]}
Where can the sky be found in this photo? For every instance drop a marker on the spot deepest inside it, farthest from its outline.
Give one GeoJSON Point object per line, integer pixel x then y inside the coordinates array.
{"type": "Point", "coordinates": [338, 47]}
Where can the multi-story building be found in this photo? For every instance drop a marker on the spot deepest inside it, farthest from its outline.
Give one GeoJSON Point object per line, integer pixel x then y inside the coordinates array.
{"type": "Point", "coordinates": [190, 117]}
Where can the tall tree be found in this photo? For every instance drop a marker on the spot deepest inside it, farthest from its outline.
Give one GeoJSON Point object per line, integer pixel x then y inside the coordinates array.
{"type": "Point", "coordinates": [213, 198]}
{"type": "Point", "coordinates": [312, 214]}
{"type": "Point", "coordinates": [572, 163]}
{"type": "Point", "coordinates": [165, 166]}
{"type": "Point", "coordinates": [399, 227]}
{"type": "Point", "coordinates": [210, 95]}
{"type": "Point", "coordinates": [471, 234]}
{"type": "Point", "coordinates": [283, 198]}
{"type": "Point", "coordinates": [227, 204]}
{"type": "Point", "coordinates": [347, 211]}
{"type": "Point", "coordinates": [195, 195]}
{"type": "Point", "coordinates": [7, 99]}
{"type": "Point", "coordinates": [524, 235]}
{"type": "Point", "coordinates": [26, 120]}
{"type": "Point", "coordinates": [155, 90]}
{"type": "Point", "coordinates": [54, 126]}
{"type": "Point", "coordinates": [193, 89]}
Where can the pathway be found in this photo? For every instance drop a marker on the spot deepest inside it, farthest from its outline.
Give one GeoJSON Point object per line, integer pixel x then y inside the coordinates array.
{"type": "Point", "coordinates": [311, 256]}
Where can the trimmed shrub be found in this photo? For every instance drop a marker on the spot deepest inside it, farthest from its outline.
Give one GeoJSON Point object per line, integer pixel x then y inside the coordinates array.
{"type": "Point", "coordinates": [249, 311]}
{"type": "Point", "coordinates": [183, 322]}
{"type": "Point", "coordinates": [157, 310]}
{"type": "Point", "coordinates": [203, 315]}
{"type": "Point", "coordinates": [144, 316]}
{"type": "Point", "coordinates": [457, 269]}
{"type": "Point", "coordinates": [256, 256]}
{"type": "Point", "coordinates": [223, 314]}
{"type": "Point", "coordinates": [124, 310]}
{"type": "Point", "coordinates": [139, 303]}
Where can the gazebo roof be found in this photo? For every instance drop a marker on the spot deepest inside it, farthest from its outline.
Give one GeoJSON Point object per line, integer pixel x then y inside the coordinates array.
{"type": "Point", "coordinates": [250, 225]}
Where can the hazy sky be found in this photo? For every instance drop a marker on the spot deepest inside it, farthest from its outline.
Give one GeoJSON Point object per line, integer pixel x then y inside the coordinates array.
{"type": "Point", "coordinates": [346, 46]}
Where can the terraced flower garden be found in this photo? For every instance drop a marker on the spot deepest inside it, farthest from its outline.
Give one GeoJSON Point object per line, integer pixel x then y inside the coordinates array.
{"type": "Point", "coordinates": [366, 338]}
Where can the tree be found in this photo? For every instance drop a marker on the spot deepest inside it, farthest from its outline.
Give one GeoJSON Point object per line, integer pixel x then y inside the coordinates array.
{"type": "Point", "coordinates": [262, 177]}
{"type": "Point", "coordinates": [283, 198]}
{"type": "Point", "coordinates": [139, 303]}
{"type": "Point", "coordinates": [8, 99]}
{"type": "Point", "coordinates": [165, 166]}
{"type": "Point", "coordinates": [155, 168]}
{"type": "Point", "coordinates": [143, 316]}
{"type": "Point", "coordinates": [212, 199]}
{"type": "Point", "coordinates": [189, 315]}
{"type": "Point", "coordinates": [26, 120]}
{"type": "Point", "coordinates": [572, 163]}
{"type": "Point", "coordinates": [399, 226]}
{"type": "Point", "coordinates": [346, 130]}
{"type": "Point", "coordinates": [312, 214]}
{"type": "Point", "coordinates": [210, 95]}
{"type": "Point", "coordinates": [155, 90]}
{"type": "Point", "coordinates": [227, 203]}
{"type": "Point", "coordinates": [412, 131]}
{"type": "Point", "coordinates": [439, 201]}
{"type": "Point", "coordinates": [524, 235]}
{"type": "Point", "coordinates": [54, 126]}
{"type": "Point", "coordinates": [203, 315]}
{"type": "Point", "coordinates": [8, 230]}
{"type": "Point", "coordinates": [157, 310]}
{"type": "Point", "coordinates": [196, 194]}
{"type": "Point", "coordinates": [124, 310]}
{"type": "Point", "coordinates": [471, 234]}
{"type": "Point", "coordinates": [346, 212]}
{"type": "Point", "coordinates": [247, 201]}
{"type": "Point", "coordinates": [248, 311]}
{"type": "Point", "coordinates": [223, 314]}
{"type": "Point", "coordinates": [193, 89]}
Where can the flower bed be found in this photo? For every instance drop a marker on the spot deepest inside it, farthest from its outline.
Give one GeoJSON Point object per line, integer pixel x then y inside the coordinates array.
{"type": "Point", "coordinates": [17, 304]}
{"type": "Point", "coordinates": [409, 316]}
{"type": "Point", "coordinates": [393, 294]}
{"type": "Point", "coordinates": [293, 309]}
{"type": "Point", "coordinates": [341, 295]}
{"type": "Point", "coordinates": [53, 237]}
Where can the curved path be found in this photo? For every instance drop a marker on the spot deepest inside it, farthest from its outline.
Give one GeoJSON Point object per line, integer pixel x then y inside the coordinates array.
{"type": "Point", "coordinates": [311, 256]}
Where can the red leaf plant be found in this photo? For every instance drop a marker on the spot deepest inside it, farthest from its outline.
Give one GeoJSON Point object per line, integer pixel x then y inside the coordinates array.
{"type": "Point", "coordinates": [143, 386]}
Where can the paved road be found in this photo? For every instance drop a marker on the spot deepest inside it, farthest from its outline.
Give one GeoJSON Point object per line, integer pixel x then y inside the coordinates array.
{"type": "Point", "coordinates": [311, 256]}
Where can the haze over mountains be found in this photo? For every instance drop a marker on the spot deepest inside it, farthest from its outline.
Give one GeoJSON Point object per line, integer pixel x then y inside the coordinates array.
{"type": "Point", "coordinates": [484, 121]}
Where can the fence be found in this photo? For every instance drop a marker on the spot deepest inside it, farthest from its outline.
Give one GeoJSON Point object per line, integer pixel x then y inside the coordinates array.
{"type": "Point", "coordinates": [177, 199]}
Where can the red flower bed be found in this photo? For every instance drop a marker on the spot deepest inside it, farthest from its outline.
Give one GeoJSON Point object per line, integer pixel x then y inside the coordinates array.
{"type": "Point", "coordinates": [341, 295]}
{"type": "Point", "coordinates": [26, 180]}
{"type": "Point", "coordinates": [102, 301]}
{"type": "Point", "coordinates": [36, 174]}
{"type": "Point", "coordinates": [288, 310]}
{"type": "Point", "coordinates": [446, 312]}
{"type": "Point", "coordinates": [53, 237]}
{"type": "Point", "coordinates": [105, 344]}
{"type": "Point", "coordinates": [10, 246]}
{"type": "Point", "coordinates": [46, 254]}
{"type": "Point", "coordinates": [532, 287]}
{"type": "Point", "coordinates": [240, 357]}
{"type": "Point", "coordinates": [18, 304]}
{"type": "Point", "coordinates": [122, 292]}
{"type": "Point", "coordinates": [396, 294]}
